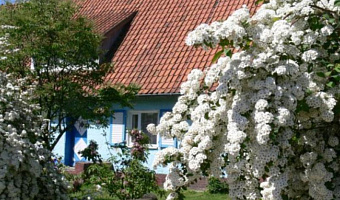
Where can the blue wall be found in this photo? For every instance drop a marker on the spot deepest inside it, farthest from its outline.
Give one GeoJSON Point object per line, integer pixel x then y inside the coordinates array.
{"type": "Point", "coordinates": [102, 135]}
{"type": "Point", "coordinates": [59, 149]}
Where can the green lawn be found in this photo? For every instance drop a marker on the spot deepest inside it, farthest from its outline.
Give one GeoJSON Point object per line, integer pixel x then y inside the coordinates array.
{"type": "Point", "coordinates": [198, 195]}
{"type": "Point", "coordinates": [189, 195]}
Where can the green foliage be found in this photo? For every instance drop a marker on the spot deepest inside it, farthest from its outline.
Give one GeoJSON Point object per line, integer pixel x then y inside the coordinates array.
{"type": "Point", "coordinates": [75, 180]}
{"type": "Point", "coordinates": [133, 181]}
{"type": "Point", "coordinates": [216, 186]}
{"type": "Point", "coordinates": [225, 52]}
{"type": "Point", "coordinates": [91, 152]}
{"type": "Point", "coordinates": [330, 74]}
{"type": "Point", "coordinates": [337, 2]}
{"type": "Point", "coordinates": [85, 190]}
{"type": "Point", "coordinates": [63, 50]}
{"type": "Point", "coordinates": [90, 191]}
{"type": "Point", "coordinates": [129, 178]}
{"type": "Point", "coordinates": [217, 56]}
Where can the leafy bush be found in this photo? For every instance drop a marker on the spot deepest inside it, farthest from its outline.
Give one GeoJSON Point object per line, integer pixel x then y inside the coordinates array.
{"type": "Point", "coordinates": [91, 152]}
{"type": "Point", "coordinates": [215, 186]}
{"type": "Point", "coordinates": [129, 179]}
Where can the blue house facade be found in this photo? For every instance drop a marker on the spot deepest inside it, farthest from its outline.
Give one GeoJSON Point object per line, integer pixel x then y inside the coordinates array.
{"type": "Point", "coordinates": [147, 109]}
{"type": "Point", "coordinates": [145, 41]}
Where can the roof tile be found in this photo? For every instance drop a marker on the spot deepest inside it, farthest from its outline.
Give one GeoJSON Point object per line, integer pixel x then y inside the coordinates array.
{"type": "Point", "coordinates": [153, 53]}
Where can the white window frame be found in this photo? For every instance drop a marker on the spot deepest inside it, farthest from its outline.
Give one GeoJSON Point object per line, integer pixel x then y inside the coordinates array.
{"type": "Point", "coordinates": [129, 126]}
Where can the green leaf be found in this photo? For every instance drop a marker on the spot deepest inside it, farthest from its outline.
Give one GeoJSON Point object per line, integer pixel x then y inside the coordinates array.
{"type": "Point", "coordinates": [337, 69]}
{"type": "Point", "coordinates": [337, 3]}
{"type": "Point", "coordinates": [336, 77]}
{"type": "Point", "coordinates": [228, 52]}
{"type": "Point", "coordinates": [276, 19]}
{"type": "Point", "coordinates": [266, 169]}
{"type": "Point", "coordinates": [331, 20]}
{"type": "Point", "coordinates": [336, 108]}
{"type": "Point", "coordinates": [326, 15]}
{"type": "Point", "coordinates": [302, 106]}
{"type": "Point", "coordinates": [284, 197]}
{"type": "Point", "coordinates": [224, 43]}
{"type": "Point", "coordinates": [294, 138]}
{"type": "Point", "coordinates": [321, 74]}
{"type": "Point", "coordinates": [259, 2]}
{"type": "Point", "coordinates": [329, 185]}
{"type": "Point", "coordinates": [217, 56]}
{"type": "Point", "coordinates": [327, 74]}
{"type": "Point", "coordinates": [330, 84]}
{"type": "Point", "coordinates": [330, 66]}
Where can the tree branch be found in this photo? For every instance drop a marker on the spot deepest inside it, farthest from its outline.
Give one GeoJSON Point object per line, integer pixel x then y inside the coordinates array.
{"type": "Point", "coordinates": [323, 9]}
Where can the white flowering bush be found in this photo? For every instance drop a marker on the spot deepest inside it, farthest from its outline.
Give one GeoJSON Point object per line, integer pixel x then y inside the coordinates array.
{"type": "Point", "coordinates": [26, 168]}
{"type": "Point", "coordinates": [267, 114]}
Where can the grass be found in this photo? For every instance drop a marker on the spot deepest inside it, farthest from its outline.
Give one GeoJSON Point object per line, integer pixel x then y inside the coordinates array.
{"type": "Point", "coordinates": [87, 190]}
{"type": "Point", "coordinates": [200, 195]}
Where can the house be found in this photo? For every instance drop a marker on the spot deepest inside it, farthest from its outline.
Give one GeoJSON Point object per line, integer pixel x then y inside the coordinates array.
{"type": "Point", "coordinates": [145, 41]}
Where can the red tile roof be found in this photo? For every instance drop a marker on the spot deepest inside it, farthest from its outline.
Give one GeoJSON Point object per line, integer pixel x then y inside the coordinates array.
{"type": "Point", "coordinates": [153, 54]}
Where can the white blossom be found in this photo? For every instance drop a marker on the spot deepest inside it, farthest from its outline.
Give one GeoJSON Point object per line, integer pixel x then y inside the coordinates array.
{"type": "Point", "coordinates": [271, 123]}
{"type": "Point", "coordinates": [26, 169]}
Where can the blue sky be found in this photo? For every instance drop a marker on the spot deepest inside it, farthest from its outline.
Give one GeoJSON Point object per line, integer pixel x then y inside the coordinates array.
{"type": "Point", "coordinates": [3, 1]}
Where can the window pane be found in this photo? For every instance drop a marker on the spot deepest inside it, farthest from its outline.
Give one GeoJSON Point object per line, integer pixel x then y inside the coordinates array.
{"type": "Point", "coordinates": [148, 118]}
{"type": "Point", "coordinates": [135, 121]}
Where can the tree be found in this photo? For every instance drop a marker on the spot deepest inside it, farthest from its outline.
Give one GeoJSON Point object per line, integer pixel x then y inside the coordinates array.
{"type": "Point", "coordinates": [53, 45]}
{"type": "Point", "coordinates": [27, 171]}
{"type": "Point", "coordinates": [272, 124]}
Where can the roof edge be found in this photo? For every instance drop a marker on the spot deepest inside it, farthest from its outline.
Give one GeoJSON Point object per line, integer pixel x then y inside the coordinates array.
{"type": "Point", "coordinates": [162, 94]}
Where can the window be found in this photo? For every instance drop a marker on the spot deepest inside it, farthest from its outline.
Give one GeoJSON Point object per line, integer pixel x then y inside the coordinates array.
{"type": "Point", "coordinates": [140, 120]}
{"type": "Point", "coordinates": [123, 120]}
{"type": "Point", "coordinates": [117, 128]}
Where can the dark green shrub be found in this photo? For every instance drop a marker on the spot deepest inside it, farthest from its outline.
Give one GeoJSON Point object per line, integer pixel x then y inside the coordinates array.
{"type": "Point", "coordinates": [215, 185]}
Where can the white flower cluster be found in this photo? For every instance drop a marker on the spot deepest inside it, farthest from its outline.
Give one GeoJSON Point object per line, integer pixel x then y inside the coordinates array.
{"type": "Point", "coordinates": [270, 123]}
{"type": "Point", "coordinates": [26, 169]}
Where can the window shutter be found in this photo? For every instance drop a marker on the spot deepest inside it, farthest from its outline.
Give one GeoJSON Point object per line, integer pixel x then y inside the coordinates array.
{"type": "Point", "coordinates": [117, 128]}
{"type": "Point", "coordinates": [164, 141]}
